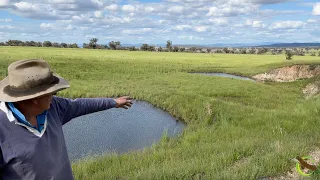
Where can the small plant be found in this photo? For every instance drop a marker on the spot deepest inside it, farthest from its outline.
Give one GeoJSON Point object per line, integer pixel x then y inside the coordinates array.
{"type": "Point", "coordinates": [289, 55]}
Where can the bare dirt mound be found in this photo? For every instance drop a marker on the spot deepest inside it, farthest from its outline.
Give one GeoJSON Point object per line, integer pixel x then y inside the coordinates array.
{"type": "Point", "coordinates": [312, 89]}
{"type": "Point", "coordinates": [290, 73]}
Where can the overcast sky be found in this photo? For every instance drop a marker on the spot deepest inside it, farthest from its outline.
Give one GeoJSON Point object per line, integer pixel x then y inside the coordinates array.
{"type": "Point", "coordinates": [156, 21]}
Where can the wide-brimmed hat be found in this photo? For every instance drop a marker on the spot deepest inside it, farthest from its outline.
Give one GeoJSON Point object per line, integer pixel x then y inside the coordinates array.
{"type": "Point", "coordinates": [28, 79]}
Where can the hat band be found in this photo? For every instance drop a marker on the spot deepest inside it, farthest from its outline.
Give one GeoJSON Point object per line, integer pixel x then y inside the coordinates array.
{"type": "Point", "coordinates": [44, 82]}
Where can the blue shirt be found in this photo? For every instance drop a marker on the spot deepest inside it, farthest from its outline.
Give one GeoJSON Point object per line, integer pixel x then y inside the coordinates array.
{"type": "Point", "coordinates": [21, 118]}
{"type": "Point", "coordinates": [26, 153]}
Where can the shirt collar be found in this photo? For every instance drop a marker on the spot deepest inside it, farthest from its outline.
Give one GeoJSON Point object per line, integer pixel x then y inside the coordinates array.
{"type": "Point", "coordinates": [12, 118]}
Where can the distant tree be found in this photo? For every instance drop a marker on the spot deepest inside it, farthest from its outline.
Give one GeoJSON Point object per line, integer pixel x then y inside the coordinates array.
{"type": "Point", "coordinates": [132, 48]}
{"type": "Point", "coordinates": [55, 44]}
{"type": "Point", "coordinates": [27, 43]}
{"type": "Point", "coordinates": [93, 43]}
{"type": "Point", "coordinates": [144, 47]}
{"type": "Point", "coordinates": [252, 51]}
{"type": "Point", "coordinates": [182, 49]}
{"type": "Point", "coordinates": [231, 51]}
{"type": "Point", "coordinates": [85, 45]}
{"type": "Point", "coordinates": [175, 49]}
{"type": "Point", "coordinates": [47, 44]}
{"type": "Point", "coordinates": [74, 45]}
{"type": "Point", "coordinates": [262, 50]}
{"type": "Point", "coordinates": [2, 44]}
{"type": "Point", "coordinates": [64, 45]}
{"type": "Point", "coordinates": [169, 45]}
{"type": "Point", "coordinates": [219, 51]}
{"type": "Point", "coordinates": [225, 50]}
{"type": "Point", "coordinates": [152, 48]}
{"type": "Point", "coordinates": [160, 49]}
{"type": "Point", "coordinates": [243, 51]}
{"type": "Point", "coordinates": [313, 54]}
{"type": "Point", "coordinates": [38, 44]}
{"type": "Point", "coordinates": [299, 53]}
{"type": "Point", "coordinates": [114, 45]}
{"type": "Point", "coordinates": [193, 49]}
{"type": "Point", "coordinates": [21, 44]}
{"type": "Point", "coordinates": [14, 42]}
{"type": "Point", "coordinates": [289, 55]}
{"type": "Point", "coordinates": [319, 54]}
{"type": "Point", "coordinates": [32, 43]}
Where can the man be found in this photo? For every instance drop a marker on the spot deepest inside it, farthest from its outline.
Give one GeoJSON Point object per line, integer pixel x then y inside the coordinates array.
{"type": "Point", "coordinates": [32, 144]}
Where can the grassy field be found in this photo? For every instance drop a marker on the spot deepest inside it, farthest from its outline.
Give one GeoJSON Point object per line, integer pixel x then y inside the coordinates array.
{"type": "Point", "coordinates": [235, 129]}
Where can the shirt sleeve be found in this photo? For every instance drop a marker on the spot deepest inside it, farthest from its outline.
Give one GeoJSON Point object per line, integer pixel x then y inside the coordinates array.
{"type": "Point", "coordinates": [68, 109]}
{"type": "Point", "coordinates": [2, 164]}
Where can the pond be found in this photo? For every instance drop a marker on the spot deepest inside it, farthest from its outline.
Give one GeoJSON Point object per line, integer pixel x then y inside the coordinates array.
{"type": "Point", "coordinates": [226, 75]}
{"type": "Point", "coordinates": [118, 130]}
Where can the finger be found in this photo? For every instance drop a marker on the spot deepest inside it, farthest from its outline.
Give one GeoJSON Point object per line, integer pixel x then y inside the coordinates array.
{"type": "Point", "coordinates": [126, 97]}
{"type": "Point", "coordinates": [128, 104]}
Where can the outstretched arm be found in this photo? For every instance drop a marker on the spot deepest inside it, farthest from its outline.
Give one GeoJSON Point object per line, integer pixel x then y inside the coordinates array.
{"type": "Point", "coordinates": [68, 109]}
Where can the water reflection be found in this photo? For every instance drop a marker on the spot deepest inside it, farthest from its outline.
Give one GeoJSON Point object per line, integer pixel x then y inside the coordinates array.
{"type": "Point", "coordinates": [226, 75]}
{"type": "Point", "coordinates": [118, 130]}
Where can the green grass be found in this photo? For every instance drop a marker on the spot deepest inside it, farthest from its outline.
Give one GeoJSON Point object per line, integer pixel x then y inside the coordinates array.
{"type": "Point", "coordinates": [235, 129]}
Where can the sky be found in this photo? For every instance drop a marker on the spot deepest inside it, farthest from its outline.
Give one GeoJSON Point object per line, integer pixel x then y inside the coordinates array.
{"type": "Point", "coordinates": [156, 21]}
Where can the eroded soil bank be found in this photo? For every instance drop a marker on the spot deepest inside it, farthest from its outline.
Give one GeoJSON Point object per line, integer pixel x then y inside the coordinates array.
{"type": "Point", "coordinates": [312, 89]}
{"type": "Point", "coordinates": [289, 73]}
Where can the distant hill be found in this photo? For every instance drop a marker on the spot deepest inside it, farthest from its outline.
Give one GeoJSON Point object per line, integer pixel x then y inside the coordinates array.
{"type": "Point", "coordinates": [278, 45]}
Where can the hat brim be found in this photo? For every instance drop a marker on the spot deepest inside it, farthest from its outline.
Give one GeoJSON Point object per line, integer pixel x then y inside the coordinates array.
{"type": "Point", "coordinates": [8, 95]}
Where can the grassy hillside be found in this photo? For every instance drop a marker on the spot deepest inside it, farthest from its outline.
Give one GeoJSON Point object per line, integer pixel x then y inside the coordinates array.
{"type": "Point", "coordinates": [235, 129]}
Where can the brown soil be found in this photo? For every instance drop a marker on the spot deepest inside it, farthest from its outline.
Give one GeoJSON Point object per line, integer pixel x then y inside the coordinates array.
{"type": "Point", "coordinates": [312, 89]}
{"type": "Point", "coordinates": [290, 73]}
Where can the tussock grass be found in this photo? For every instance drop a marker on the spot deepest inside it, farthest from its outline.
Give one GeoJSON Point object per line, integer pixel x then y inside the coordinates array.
{"type": "Point", "coordinates": [235, 129]}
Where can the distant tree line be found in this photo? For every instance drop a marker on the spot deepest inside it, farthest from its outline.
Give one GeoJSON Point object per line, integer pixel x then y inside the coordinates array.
{"type": "Point", "coordinates": [38, 44]}
{"type": "Point", "coordinates": [169, 47]}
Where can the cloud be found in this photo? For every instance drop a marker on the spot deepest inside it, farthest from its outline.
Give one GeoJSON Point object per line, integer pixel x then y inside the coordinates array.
{"type": "Point", "coordinates": [201, 28]}
{"type": "Point", "coordinates": [4, 3]}
{"type": "Point", "coordinates": [6, 20]}
{"type": "Point", "coordinates": [219, 21]}
{"type": "Point", "coordinates": [185, 37]}
{"type": "Point", "coordinates": [69, 27]}
{"type": "Point", "coordinates": [6, 27]}
{"type": "Point", "coordinates": [182, 27]}
{"type": "Point", "coordinates": [25, 6]}
{"type": "Point", "coordinates": [46, 26]}
{"type": "Point", "coordinates": [98, 14]}
{"type": "Point", "coordinates": [176, 9]}
{"type": "Point", "coordinates": [128, 8]}
{"type": "Point", "coordinates": [137, 31]}
{"type": "Point", "coordinates": [258, 24]}
{"type": "Point", "coordinates": [254, 23]}
{"type": "Point", "coordinates": [111, 7]}
{"type": "Point", "coordinates": [311, 21]}
{"type": "Point", "coordinates": [227, 10]}
{"type": "Point", "coordinates": [287, 25]}
{"type": "Point", "coordinates": [267, 1]}
{"type": "Point", "coordinates": [178, 20]}
{"type": "Point", "coordinates": [316, 9]}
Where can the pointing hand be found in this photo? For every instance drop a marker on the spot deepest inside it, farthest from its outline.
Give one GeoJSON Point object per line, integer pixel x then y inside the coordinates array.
{"type": "Point", "coordinates": [123, 102]}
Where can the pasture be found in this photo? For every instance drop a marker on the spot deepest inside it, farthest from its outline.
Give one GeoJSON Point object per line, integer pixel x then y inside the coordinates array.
{"type": "Point", "coordinates": [235, 129]}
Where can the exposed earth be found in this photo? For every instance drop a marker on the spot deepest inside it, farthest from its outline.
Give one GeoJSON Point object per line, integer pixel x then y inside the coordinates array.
{"type": "Point", "coordinates": [293, 73]}
{"type": "Point", "coordinates": [289, 73]}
